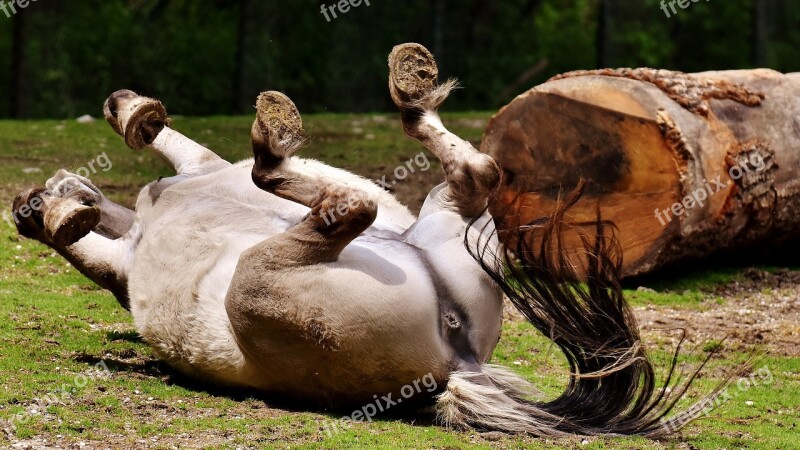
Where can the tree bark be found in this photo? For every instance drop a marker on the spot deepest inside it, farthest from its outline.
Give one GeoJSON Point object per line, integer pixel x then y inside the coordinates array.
{"type": "Point", "coordinates": [684, 165]}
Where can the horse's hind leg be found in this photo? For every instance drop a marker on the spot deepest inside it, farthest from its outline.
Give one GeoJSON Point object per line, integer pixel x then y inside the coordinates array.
{"type": "Point", "coordinates": [143, 122]}
{"type": "Point", "coordinates": [339, 212]}
{"type": "Point", "coordinates": [473, 310]}
{"type": "Point", "coordinates": [471, 176]}
{"type": "Point", "coordinates": [269, 312]}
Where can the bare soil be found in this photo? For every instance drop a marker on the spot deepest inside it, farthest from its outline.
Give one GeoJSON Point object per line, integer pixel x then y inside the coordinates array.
{"type": "Point", "coordinates": [762, 310]}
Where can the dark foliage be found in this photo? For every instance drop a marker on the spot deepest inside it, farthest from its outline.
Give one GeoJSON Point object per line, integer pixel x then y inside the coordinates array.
{"type": "Point", "coordinates": [61, 59]}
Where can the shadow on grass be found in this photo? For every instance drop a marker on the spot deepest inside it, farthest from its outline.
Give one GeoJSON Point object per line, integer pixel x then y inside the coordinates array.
{"type": "Point", "coordinates": [128, 336]}
{"type": "Point", "coordinates": [720, 269]}
{"type": "Point", "coordinates": [131, 362]}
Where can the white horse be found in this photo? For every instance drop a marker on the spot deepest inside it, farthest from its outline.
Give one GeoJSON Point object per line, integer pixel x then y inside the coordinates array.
{"type": "Point", "coordinates": [287, 276]}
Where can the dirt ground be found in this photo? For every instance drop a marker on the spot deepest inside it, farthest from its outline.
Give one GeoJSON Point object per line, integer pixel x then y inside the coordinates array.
{"type": "Point", "coordinates": [762, 312]}
{"type": "Point", "coordinates": [764, 309]}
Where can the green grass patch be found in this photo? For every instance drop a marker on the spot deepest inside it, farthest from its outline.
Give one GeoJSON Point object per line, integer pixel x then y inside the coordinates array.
{"type": "Point", "coordinates": [55, 325]}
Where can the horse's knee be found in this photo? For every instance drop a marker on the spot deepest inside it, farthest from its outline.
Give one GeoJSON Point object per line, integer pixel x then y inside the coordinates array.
{"type": "Point", "coordinates": [344, 212]}
{"type": "Point", "coordinates": [470, 181]}
{"type": "Point", "coordinates": [476, 176]}
{"type": "Point", "coordinates": [324, 233]}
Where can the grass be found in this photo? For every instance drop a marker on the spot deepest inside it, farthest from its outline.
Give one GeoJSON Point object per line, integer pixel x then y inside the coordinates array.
{"type": "Point", "coordinates": [55, 325]}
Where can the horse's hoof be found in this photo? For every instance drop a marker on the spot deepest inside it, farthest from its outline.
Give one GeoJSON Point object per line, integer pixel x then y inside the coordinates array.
{"type": "Point", "coordinates": [65, 223]}
{"type": "Point", "coordinates": [413, 74]}
{"type": "Point", "coordinates": [278, 128]}
{"type": "Point", "coordinates": [138, 119]}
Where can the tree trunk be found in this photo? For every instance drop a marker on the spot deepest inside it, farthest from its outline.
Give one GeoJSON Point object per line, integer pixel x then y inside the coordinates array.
{"type": "Point", "coordinates": [603, 33]}
{"type": "Point", "coordinates": [439, 25]}
{"type": "Point", "coordinates": [760, 33]}
{"type": "Point", "coordinates": [240, 100]}
{"type": "Point", "coordinates": [17, 78]}
{"type": "Point", "coordinates": [683, 165]}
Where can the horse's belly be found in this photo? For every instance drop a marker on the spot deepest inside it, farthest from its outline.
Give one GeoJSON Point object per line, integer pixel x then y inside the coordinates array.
{"type": "Point", "coordinates": [369, 323]}
{"type": "Point", "coordinates": [177, 288]}
{"type": "Point", "coordinates": [379, 296]}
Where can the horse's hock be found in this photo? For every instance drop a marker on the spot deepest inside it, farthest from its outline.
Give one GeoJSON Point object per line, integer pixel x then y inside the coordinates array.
{"type": "Point", "coordinates": [683, 164]}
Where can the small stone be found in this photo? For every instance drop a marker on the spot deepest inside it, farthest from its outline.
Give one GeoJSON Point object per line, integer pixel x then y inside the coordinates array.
{"type": "Point", "coordinates": [85, 119]}
{"type": "Point", "coordinates": [493, 435]}
{"type": "Point", "coordinates": [749, 403]}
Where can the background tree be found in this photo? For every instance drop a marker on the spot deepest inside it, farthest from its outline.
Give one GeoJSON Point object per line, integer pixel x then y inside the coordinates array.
{"type": "Point", "coordinates": [61, 59]}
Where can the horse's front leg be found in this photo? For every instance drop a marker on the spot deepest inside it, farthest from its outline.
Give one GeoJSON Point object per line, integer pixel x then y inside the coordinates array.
{"type": "Point", "coordinates": [471, 175]}
{"type": "Point", "coordinates": [143, 122]}
{"type": "Point", "coordinates": [64, 219]}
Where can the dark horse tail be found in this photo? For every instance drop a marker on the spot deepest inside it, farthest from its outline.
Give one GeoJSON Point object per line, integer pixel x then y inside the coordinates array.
{"type": "Point", "coordinates": [613, 387]}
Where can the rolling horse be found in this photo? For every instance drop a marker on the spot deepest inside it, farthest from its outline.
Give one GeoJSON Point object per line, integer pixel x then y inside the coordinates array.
{"type": "Point", "coordinates": [253, 275]}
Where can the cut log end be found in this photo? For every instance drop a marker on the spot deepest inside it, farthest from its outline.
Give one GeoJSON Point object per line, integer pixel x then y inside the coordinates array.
{"type": "Point", "coordinates": [554, 141]}
{"type": "Point", "coordinates": [662, 171]}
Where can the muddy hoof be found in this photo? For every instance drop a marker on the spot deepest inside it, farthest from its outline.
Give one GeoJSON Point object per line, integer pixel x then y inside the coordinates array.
{"type": "Point", "coordinates": [278, 129]}
{"type": "Point", "coordinates": [413, 74]}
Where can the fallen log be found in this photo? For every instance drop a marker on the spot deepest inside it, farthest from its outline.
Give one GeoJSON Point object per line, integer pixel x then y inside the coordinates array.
{"type": "Point", "coordinates": [684, 165]}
